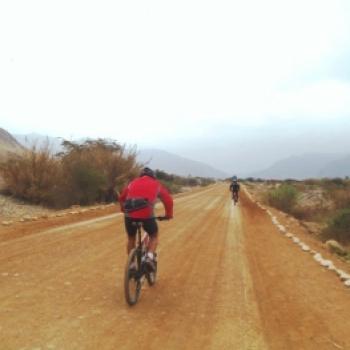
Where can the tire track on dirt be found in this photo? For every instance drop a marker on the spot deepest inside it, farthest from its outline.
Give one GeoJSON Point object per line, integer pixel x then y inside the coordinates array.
{"type": "Point", "coordinates": [73, 284]}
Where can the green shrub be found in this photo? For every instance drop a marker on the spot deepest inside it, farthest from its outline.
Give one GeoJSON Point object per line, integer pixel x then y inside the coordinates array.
{"type": "Point", "coordinates": [283, 197]}
{"type": "Point", "coordinates": [172, 187]}
{"type": "Point", "coordinates": [338, 227]}
{"type": "Point", "coordinates": [85, 185]}
{"type": "Point", "coordinates": [175, 182]}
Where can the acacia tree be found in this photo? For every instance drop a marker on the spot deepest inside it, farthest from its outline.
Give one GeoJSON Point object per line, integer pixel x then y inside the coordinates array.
{"type": "Point", "coordinates": [107, 166]}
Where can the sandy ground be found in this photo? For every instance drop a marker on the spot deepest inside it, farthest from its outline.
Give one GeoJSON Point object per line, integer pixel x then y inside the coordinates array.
{"type": "Point", "coordinates": [227, 280]}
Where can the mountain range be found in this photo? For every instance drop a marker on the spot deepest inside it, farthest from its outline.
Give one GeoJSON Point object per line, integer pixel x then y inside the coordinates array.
{"type": "Point", "coordinates": [154, 158]}
{"type": "Point", "coordinates": [8, 143]}
{"type": "Point", "coordinates": [174, 164]}
{"type": "Point", "coordinates": [310, 165]}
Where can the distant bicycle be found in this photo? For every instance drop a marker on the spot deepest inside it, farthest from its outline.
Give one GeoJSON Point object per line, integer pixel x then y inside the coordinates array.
{"type": "Point", "coordinates": [136, 270]}
{"type": "Point", "coordinates": [235, 197]}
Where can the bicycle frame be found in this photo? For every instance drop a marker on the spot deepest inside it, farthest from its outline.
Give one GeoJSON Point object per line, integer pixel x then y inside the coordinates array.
{"type": "Point", "coordinates": [140, 250]}
{"type": "Point", "coordinates": [132, 293]}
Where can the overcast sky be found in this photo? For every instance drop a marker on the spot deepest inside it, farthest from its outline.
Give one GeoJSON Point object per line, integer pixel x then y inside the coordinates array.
{"type": "Point", "coordinates": [198, 76]}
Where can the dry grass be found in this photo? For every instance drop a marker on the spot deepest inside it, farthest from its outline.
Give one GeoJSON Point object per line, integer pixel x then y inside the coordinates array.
{"type": "Point", "coordinates": [31, 175]}
{"type": "Point", "coordinates": [325, 201]}
{"type": "Point", "coordinates": [283, 197]}
{"type": "Point", "coordinates": [82, 174]}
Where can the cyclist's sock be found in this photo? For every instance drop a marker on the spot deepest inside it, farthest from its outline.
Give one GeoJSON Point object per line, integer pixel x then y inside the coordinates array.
{"type": "Point", "coordinates": [150, 255]}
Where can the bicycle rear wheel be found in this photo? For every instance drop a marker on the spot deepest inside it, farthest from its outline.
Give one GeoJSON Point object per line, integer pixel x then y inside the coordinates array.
{"type": "Point", "coordinates": [235, 198]}
{"type": "Point", "coordinates": [152, 276]}
{"type": "Point", "coordinates": [132, 278]}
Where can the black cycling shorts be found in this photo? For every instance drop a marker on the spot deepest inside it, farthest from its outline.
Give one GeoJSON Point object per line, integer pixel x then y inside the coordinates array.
{"type": "Point", "coordinates": [149, 225]}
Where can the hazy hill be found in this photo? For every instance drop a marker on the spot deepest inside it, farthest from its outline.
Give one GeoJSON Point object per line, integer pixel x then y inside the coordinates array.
{"type": "Point", "coordinates": [155, 158]}
{"type": "Point", "coordinates": [8, 143]}
{"type": "Point", "coordinates": [337, 168]}
{"type": "Point", "coordinates": [33, 139]}
{"type": "Point", "coordinates": [174, 164]}
{"type": "Point", "coordinates": [307, 166]}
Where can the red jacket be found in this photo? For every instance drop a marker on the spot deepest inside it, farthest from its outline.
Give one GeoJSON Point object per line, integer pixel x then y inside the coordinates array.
{"type": "Point", "coordinates": [150, 188]}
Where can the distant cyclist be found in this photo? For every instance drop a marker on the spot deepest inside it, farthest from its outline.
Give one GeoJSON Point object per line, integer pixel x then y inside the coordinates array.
{"type": "Point", "coordinates": [137, 201]}
{"type": "Point", "coordinates": [234, 188]}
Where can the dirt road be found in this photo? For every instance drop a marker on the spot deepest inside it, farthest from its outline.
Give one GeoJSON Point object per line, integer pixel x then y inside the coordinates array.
{"type": "Point", "coordinates": [226, 280]}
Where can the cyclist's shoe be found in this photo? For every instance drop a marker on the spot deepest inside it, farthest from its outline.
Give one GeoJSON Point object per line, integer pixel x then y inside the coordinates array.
{"type": "Point", "coordinates": [150, 264]}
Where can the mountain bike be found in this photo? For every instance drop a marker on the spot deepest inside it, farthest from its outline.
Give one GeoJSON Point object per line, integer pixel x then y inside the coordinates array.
{"type": "Point", "coordinates": [235, 197]}
{"type": "Point", "coordinates": [136, 270]}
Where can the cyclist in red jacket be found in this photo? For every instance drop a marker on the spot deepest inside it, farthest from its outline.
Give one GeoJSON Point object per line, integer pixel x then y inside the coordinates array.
{"type": "Point", "coordinates": [137, 201]}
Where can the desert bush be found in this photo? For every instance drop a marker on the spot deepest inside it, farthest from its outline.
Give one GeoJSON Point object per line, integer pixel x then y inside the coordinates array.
{"type": "Point", "coordinates": [85, 173]}
{"type": "Point", "coordinates": [175, 182]}
{"type": "Point", "coordinates": [96, 170]}
{"type": "Point", "coordinates": [338, 227]}
{"type": "Point", "coordinates": [283, 197]}
{"type": "Point", "coordinates": [31, 175]}
{"type": "Point", "coordinates": [317, 214]}
{"type": "Point", "coordinates": [340, 198]}
{"type": "Point", "coordinates": [337, 191]}
{"type": "Point", "coordinates": [171, 186]}
{"type": "Point", "coordinates": [312, 182]}
{"type": "Point", "coordinates": [85, 184]}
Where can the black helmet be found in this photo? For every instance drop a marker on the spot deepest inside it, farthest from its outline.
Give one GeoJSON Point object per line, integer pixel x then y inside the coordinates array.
{"type": "Point", "coordinates": [148, 172]}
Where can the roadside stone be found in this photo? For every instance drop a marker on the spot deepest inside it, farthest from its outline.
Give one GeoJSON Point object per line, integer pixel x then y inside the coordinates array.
{"type": "Point", "coordinates": [344, 276]}
{"type": "Point", "coordinates": [274, 220]}
{"type": "Point", "coordinates": [296, 240]}
{"type": "Point", "coordinates": [7, 223]}
{"type": "Point", "coordinates": [305, 247]}
{"type": "Point", "coordinates": [327, 263]}
{"type": "Point", "coordinates": [15, 209]}
{"type": "Point", "coordinates": [318, 257]}
{"type": "Point", "coordinates": [281, 228]}
{"type": "Point", "coordinates": [335, 247]}
{"type": "Point", "coordinates": [339, 272]}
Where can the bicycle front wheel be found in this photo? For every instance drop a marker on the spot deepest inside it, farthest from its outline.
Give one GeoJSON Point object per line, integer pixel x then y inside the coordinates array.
{"type": "Point", "coordinates": [132, 278]}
